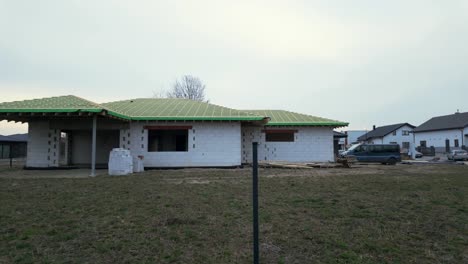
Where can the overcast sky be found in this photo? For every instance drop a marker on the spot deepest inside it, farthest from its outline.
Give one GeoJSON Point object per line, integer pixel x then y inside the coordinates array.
{"type": "Point", "coordinates": [362, 61]}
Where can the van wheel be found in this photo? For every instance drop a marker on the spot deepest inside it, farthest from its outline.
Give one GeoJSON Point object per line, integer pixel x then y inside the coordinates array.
{"type": "Point", "coordinates": [391, 161]}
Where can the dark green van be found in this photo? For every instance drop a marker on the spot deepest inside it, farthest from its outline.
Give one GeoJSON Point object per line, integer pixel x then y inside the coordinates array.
{"type": "Point", "coordinates": [383, 153]}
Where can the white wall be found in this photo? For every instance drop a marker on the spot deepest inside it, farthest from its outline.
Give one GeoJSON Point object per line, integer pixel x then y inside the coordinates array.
{"type": "Point", "coordinates": [399, 138]}
{"type": "Point", "coordinates": [437, 138]}
{"type": "Point", "coordinates": [210, 144]}
{"type": "Point", "coordinates": [310, 144]}
{"type": "Point", "coordinates": [465, 139]}
{"type": "Point", "coordinates": [43, 145]}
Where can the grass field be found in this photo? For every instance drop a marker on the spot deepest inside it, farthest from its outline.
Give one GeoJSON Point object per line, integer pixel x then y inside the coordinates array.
{"type": "Point", "coordinates": [374, 214]}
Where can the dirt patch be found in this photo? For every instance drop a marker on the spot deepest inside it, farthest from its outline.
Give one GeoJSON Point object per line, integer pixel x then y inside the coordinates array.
{"type": "Point", "coordinates": [205, 175]}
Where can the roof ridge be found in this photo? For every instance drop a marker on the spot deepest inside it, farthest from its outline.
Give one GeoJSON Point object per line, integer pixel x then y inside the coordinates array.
{"type": "Point", "coordinates": [91, 102]}
{"type": "Point", "coordinates": [459, 113]}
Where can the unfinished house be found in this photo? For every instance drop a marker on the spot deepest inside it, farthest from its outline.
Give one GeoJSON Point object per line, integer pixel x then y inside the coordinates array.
{"type": "Point", "coordinates": [71, 131]}
{"type": "Point", "coordinates": [290, 136]}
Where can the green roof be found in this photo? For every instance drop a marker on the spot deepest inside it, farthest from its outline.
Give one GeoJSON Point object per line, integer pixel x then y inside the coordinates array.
{"type": "Point", "coordinates": [60, 104]}
{"type": "Point", "coordinates": [164, 109]}
{"type": "Point", "coordinates": [286, 118]}
{"type": "Point", "coordinates": [177, 109]}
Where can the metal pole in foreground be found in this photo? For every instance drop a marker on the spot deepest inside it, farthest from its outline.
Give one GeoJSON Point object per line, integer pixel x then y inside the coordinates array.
{"type": "Point", "coordinates": [255, 201]}
{"type": "Point", "coordinates": [11, 155]}
{"type": "Point", "coordinates": [93, 147]}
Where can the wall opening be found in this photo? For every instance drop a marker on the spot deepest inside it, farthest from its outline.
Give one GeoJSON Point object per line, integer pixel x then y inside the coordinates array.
{"type": "Point", "coordinates": [167, 140]}
{"type": "Point", "coordinates": [279, 137]}
{"type": "Point", "coordinates": [79, 146]}
{"type": "Point", "coordinates": [64, 148]}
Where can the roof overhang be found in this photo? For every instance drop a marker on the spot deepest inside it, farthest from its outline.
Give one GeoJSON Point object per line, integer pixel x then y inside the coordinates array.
{"type": "Point", "coordinates": [25, 115]}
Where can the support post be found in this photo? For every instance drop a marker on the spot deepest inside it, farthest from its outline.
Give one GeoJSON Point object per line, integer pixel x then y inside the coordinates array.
{"type": "Point", "coordinates": [11, 155]}
{"type": "Point", "coordinates": [255, 201]}
{"type": "Point", "coordinates": [93, 148]}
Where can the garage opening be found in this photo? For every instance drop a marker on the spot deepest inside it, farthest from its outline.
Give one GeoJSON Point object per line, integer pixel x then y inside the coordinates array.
{"type": "Point", "coordinates": [167, 140]}
{"type": "Point", "coordinates": [78, 147]}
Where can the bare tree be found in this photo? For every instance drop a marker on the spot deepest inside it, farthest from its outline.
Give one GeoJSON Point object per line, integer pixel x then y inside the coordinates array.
{"type": "Point", "coordinates": [161, 93]}
{"type": "Point", "coordinates": [189, 87]}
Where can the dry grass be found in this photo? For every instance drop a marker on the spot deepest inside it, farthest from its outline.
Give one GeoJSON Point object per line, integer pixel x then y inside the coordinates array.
{"type": "Point", "coordinates": [373, 214]}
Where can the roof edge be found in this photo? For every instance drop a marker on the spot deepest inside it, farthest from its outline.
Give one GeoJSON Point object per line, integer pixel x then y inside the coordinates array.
{"type": "Point", "coordinates": [50, 110]}
{"type": "Point", "coordinates": [314, 124]}
{"type": "Point", "coordinates": [439, 129]}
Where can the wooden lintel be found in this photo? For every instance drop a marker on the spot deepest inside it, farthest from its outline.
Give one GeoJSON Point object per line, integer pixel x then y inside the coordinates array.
{"type": "Point", "coordinates": [273, 131]}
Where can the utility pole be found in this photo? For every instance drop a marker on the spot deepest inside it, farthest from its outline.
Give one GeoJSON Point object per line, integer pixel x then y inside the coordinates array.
{"type": "Point", "coordinates": [255, 201]}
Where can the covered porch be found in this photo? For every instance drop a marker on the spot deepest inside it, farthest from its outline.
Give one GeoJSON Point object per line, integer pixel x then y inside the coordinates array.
{"type": "Point", "coordinates": [66, 132]}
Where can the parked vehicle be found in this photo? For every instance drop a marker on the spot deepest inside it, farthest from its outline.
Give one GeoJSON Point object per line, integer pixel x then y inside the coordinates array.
{"type": "Point", "coordinates": [458, 155]}
{"type": "Point", "coordinates": [417, 154]}
{"type": "Point", "coordinates": [383, 153]}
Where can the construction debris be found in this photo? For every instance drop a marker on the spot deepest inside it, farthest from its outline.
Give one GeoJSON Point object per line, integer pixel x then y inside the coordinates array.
{"type": "Point", "coordinates": [347, 161]}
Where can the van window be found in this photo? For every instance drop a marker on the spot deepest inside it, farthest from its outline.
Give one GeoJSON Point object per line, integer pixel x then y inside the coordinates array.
{"type": "Point", "coordinates": [361, 149]}
{"type": "Point", "coordinates": [391, 148]}
{"type": "Point", "coordinates": [378, 149]}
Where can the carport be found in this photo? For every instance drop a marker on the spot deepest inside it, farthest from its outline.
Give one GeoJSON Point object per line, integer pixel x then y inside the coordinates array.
{"type": "Point", "coordinates": [66, 130]}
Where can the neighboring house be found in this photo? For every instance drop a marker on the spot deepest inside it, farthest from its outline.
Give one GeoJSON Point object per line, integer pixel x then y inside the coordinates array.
{"type": "Point", "coordinates": [444, 133]}
{"type": "Point", "coordinates": [353, 136]}
{"type": "Point", "coordinates": [166, 132]}
{"type": "Point", "coordinates": [13, 146]}
{"type": "Point", "coordinates": [392, 134]}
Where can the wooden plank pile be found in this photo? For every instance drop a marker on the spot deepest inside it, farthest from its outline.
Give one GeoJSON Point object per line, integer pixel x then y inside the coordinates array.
{"type": "Point", "coordinates": [287, 165]}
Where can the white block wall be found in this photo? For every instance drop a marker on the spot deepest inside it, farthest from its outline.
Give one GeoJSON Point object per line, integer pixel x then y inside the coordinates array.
{"type": "Point", "coordinates": [465, 139]}
{"type": "Point", "coordinates": [311, 144]}
{"type": "Point", "coordinates": [43, 145]}
{"type": "Point", "coordinates": [209, 145]}
{"type": "Point", "coordinates": [437, 138]}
